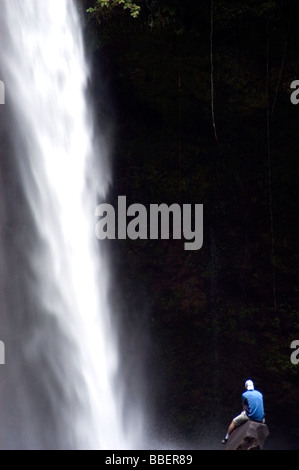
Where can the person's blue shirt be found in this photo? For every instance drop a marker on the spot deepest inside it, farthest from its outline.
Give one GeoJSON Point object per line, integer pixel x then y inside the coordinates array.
{"type": "Point", "coordinates": [254, 404]}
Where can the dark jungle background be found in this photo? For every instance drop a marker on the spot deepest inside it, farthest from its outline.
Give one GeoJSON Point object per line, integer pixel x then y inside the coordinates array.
{"type": "Point", "coordinates": [194, 98]}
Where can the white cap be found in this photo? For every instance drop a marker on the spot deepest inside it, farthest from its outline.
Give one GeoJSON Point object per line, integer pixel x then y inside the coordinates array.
{"type": "Point", "coordinates": [249, 385]}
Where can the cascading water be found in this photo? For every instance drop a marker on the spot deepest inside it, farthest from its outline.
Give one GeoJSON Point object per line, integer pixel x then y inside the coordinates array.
{"type": "Point", "coordinates": [58, 386]}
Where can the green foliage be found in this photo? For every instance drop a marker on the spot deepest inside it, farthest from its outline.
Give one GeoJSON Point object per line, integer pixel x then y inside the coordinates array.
{"type": "Point", "coordinates": [163, 16]}
{"type": "Point", "coordinates": [228, 11]}
{"type": "Point", "coordinates": [160, 15]}
{"type": "Point", "coordinates": [106, 8]}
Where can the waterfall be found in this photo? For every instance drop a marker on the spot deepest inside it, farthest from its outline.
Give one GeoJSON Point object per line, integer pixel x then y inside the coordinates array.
{"type": "Point", "coordinates": [60, 379]}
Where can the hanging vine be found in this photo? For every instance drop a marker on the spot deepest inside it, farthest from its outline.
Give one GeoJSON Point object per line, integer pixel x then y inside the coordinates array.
{"type": "Point", "coordinates": [212, 71]}
{"type": "Point", "coordinates": [270, 170]}
{"type": "Point", "coordinates": [283, 60]}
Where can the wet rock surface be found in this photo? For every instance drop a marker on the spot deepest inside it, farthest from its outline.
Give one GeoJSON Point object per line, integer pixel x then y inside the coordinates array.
{"type": "Point", "coordinates": [249, 436]}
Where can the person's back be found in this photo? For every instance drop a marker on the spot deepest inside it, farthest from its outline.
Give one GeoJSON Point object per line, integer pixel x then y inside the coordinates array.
{"type": "Point", "coordinates": [254, 405]}
{"type": "Point", "coordinates": [253, 409]}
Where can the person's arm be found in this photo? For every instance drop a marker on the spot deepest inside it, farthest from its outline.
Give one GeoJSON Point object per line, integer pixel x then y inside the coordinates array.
{"type": "Point", "coordinates": [244, 402]}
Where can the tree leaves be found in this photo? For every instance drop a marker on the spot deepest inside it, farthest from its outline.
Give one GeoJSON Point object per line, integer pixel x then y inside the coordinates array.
{"type": "Point", "coordinates": [104, 8]}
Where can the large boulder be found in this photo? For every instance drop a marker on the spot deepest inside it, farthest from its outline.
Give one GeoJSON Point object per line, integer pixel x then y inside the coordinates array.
{"type": "Point", "coordinates": [249, 436]}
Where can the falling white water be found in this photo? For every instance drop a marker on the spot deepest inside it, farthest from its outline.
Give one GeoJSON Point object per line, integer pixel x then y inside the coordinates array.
{"type": "Point", "coordinates": [46, 75]}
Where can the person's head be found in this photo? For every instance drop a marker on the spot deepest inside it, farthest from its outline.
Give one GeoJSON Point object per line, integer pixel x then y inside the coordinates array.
{"type": "Point", "coordinates": [249, 385]}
